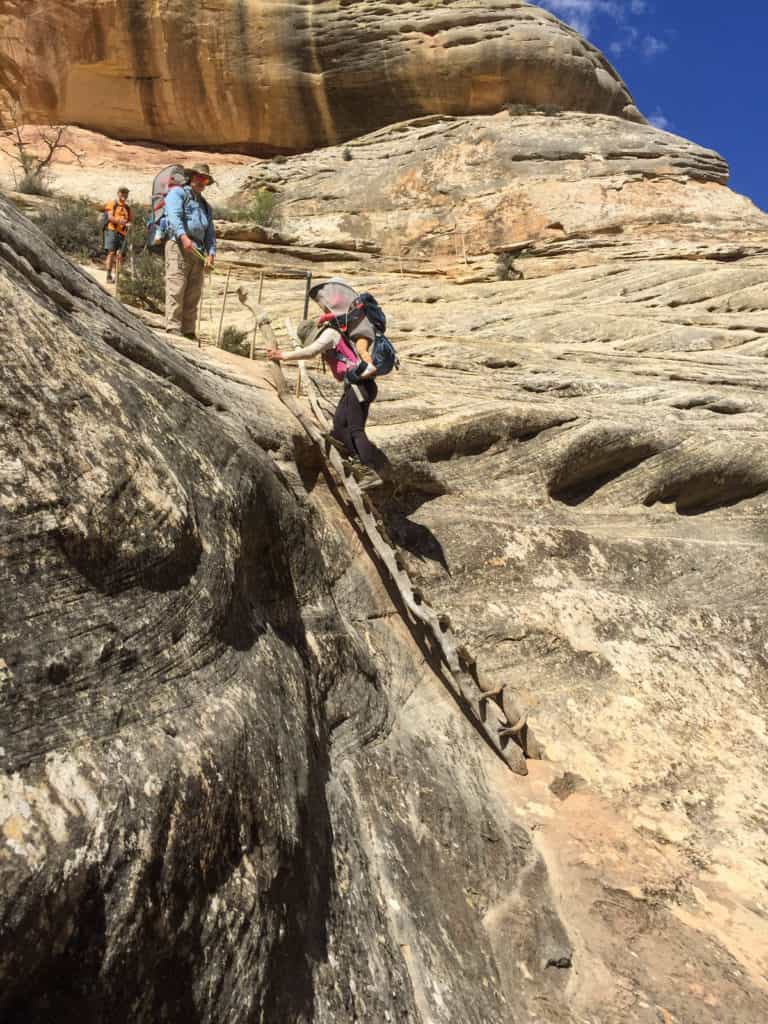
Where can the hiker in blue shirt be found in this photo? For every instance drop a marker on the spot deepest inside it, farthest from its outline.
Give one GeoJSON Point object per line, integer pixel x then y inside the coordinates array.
{"type": "Point", "coordinates": [189, 251]}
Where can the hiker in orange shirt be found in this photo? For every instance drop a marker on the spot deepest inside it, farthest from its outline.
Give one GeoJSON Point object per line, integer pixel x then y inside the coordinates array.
{"type": "Point", "coordinates": [118, 217]}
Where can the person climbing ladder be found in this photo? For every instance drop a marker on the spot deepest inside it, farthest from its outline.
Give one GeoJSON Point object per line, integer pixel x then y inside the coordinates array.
{"type": "Point", "coordinates": [327, 337]}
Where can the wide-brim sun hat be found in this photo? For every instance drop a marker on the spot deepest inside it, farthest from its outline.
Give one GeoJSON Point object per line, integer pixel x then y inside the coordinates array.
{"type": "Point", "coordinates": [202, 169]}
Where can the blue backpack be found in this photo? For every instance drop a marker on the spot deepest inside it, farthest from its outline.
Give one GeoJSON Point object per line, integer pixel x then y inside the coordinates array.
{"type": "Point", "coordinates": [384, 355]}
{"type": "Point", "coordinates": [383, 351]}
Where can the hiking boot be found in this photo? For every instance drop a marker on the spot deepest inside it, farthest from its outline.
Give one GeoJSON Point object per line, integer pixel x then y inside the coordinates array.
{"type": "Point", "coordinates": [341, 448]}
{"type": "Point", "coordinates": [189, 334]}
{"type": "Point", "coordinates": [367, 479]}
{"type": "Point", "coordinates": [110, 279]}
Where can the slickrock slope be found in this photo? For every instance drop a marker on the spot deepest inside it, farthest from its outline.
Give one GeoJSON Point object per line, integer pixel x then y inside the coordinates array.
{"type": "Point", "coordinates": [583, 485]}
{"type": "Point", "coordinates": [267, 78]}
{"type": "Point", "coordinates": [232, 787]}
{"type": "Point", "coordinates": [229, 786]}
{"type": "Point", "coordinates": [600, 437]}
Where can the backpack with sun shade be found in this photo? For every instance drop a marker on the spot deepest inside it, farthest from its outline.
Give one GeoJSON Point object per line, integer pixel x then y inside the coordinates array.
{"type": "Point", "coordinates": [355, 316]}
{"type": "Point", "coordinates": [157, 222]}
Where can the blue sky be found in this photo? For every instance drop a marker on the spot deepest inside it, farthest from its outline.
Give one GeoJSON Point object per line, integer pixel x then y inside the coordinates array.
{"type": "Point", "coordinates": [698, 68]}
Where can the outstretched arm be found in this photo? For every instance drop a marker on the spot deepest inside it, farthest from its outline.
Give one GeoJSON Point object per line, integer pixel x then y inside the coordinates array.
{"type": "Point", "coordinates": [324, 341]}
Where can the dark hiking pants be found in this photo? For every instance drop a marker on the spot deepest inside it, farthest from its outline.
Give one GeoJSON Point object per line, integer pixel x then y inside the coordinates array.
{"type": "Point", "coordinates": [349, 422]}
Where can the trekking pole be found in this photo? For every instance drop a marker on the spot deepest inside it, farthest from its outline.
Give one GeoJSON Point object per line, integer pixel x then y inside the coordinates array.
{"type": "Point", "coordinates": [261, 286]}
{"type": "Point", "coordinates": [118, 264]}
{"type": "Point", "coordinates": [306, 293]}
{"type": "Point", "coordinates": [223, 304]}
{"type": "Point", "coordinates": [200, 313]}
{"type": "Point", "coordinates": [132, 251]}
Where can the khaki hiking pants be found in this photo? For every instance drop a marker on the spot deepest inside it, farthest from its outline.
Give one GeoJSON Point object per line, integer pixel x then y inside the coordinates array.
{"type": "Point", "coordinates": [183, 287]}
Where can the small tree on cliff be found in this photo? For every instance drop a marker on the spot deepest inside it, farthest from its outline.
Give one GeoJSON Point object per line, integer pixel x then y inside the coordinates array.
{"type": "Point", "coordinates": [34, 151]}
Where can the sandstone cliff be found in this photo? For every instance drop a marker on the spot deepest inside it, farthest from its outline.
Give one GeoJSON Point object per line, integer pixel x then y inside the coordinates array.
{"type": "Point", "coordinates": [232, 784]}
{"type": "Point", "coordinates": [257, 77]}
{"type": "Point", "coordinates": [234, 787]}
{"type": "Point", "coordinates": [424, 187]}
{"type": "Point", "coordinates": [198, 670]}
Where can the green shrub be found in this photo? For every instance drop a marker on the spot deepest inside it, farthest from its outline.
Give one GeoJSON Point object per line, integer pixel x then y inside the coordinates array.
{"type": "Point", "coordinates": [263, 207]}
{"type": "Point", "coordinates": [139, 231]}
{"type": "Point", "coordinates": [143, 285]}
{"type": "Point", "coordinates": [237, 341]}
{"type": "Point", "coordinates": [33, 184]}
{"type": "Point", "coordinates": [260, 209]}
{"type": "Point", "coordinates": [346, 153]}
{"type": "Point", "coordinates": [73, 226]}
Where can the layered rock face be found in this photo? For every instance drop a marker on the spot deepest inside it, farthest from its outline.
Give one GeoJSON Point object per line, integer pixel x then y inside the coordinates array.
{"type": "Point", "coordinates": [257, 77]}
{"type": "Point", "coordinates": [207, 808]}
{"type": "Point", "coordinates": [232, 784]}
{"type": "Point", "coordinates": [440, 186]}
{"type": "Point", "coordinates": [581, 484]}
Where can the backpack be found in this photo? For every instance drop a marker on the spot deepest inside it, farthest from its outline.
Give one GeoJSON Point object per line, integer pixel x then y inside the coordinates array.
{"type": "Point", "coordinates": [366, 306]}
{"type": "Point", "coordinates": [383, 352]}
{"type": "Point", "coordinates": [341, 357]}
{"type": "Point", "coordinates": [157, 222]}
{"type": "Point", "coordinates": [384, 355]}
{"type": "Point", "coordinates": [105, 215]}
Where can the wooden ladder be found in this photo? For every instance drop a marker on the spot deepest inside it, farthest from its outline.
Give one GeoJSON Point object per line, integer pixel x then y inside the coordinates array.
{"type": "Point", "coordinates": [503, 725]}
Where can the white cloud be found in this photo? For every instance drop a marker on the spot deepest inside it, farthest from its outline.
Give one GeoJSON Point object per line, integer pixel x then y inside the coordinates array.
{"type": "Point", "coordinates": [659, 120]}
{"type": "Point", "coordinates": [580, 14]}
{"type": "Point", "coordinates": [652, 46]}
{"type": "Point", "coordinates": [583, 14]}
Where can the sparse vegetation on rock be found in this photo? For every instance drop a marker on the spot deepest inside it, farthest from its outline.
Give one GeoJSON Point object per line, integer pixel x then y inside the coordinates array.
{"type": "Point", "coordinates": [259, 208]}
{"type": "Point", "coordinates": [547, 109]}
{"type": "Point", "coordinates": [142, 281]}
{"type": "Point", "coordinates": [34, 150]}
{"type": "Point", "coordinates": [236, 341]}
{"type": "Point", "coordinates": [73, 226]}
